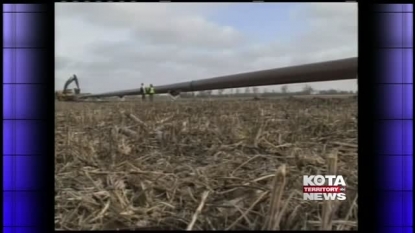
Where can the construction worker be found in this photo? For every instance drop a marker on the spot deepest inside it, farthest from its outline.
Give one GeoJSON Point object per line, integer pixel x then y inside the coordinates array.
{"type": "Point", "coordinates": [143, 92]}
{"type": "Point", "coordinates": [151, 92]}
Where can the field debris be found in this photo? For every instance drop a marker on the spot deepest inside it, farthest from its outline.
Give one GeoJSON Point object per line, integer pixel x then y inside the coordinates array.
{"type": "Point", "coordinates": [203, 165]}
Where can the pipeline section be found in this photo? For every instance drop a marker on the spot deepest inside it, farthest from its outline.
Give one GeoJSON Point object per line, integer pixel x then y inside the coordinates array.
{"type": "Point", "coordinates": [334, 70]}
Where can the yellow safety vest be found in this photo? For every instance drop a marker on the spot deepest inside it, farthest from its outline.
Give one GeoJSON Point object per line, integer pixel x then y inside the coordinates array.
{"type": "Point", "coordinates": [151, 90]}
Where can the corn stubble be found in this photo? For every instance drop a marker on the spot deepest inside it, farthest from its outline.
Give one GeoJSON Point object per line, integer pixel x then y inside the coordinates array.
{"type": "Point", "coordinates": [203, 165]}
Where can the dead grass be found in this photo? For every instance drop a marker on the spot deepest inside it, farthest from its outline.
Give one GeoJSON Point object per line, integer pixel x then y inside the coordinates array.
{"type": "Point", "coordinates": [203, 165]}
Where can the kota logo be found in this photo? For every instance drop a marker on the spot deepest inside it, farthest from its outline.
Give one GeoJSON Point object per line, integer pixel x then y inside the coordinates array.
{"type": "Point", "coordinates": [328, 187]}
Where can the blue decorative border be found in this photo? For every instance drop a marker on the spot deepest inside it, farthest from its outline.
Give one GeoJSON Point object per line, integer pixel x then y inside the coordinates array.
{"type": "Point", "coordinates": [394, 118]}
{"type": "Point", "coordinates": [23, 122]}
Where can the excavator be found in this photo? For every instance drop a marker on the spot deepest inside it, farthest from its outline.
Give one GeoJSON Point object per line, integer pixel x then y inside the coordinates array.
{"type": "Point", "coordinates": [69, 94]}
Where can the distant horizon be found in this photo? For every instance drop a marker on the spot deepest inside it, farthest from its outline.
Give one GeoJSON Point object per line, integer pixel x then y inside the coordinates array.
{"type": "Point", "coordinates": [263, 89]}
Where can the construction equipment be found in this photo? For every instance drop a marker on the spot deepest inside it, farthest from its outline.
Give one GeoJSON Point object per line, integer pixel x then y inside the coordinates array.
{"type": "Point", "coordinates": [69, 94]}
{"type": "Point", "coordinates": [316, 72]}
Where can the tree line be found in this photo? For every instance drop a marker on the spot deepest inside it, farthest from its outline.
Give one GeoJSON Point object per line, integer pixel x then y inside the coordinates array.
{"type": "Point", "coordinates": [256, 92]}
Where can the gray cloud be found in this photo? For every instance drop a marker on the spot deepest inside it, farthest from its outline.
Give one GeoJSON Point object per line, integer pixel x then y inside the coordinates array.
{"type": "Point", "coordinates": [115, 46]}
{"type": "Point", "coordinates": [62, 62]}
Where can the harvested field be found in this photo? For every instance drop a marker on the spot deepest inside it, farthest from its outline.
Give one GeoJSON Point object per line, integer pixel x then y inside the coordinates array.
{"type": "Point", "coordinates": [203, 165]}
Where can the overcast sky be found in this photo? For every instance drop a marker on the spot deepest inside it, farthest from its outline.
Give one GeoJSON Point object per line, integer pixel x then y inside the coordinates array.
{"type": "Point", "coordinates": [117, 46]}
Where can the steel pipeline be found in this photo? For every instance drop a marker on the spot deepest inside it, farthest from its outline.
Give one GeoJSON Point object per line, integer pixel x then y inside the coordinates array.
{"type": "Point", "coordinates": [316, 72]}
